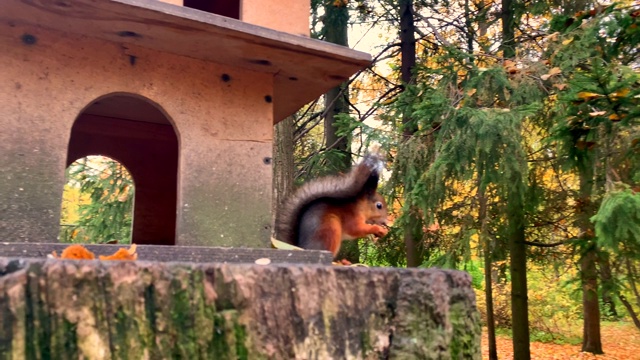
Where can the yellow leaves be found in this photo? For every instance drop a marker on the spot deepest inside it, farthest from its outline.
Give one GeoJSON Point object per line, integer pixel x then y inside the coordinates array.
{"type": "Point", "coordinates": [567, 41]}
{"type": "Point", "coordinates": [622, 93]}
{"type": "Point", "coordinates": [552, 72]}
{"type": "Point", "coordinates": [389, 101]}
{"type": "Point", "coordinates": [587, 96]}
{"type": "Point", "coordinates": [616, 117]}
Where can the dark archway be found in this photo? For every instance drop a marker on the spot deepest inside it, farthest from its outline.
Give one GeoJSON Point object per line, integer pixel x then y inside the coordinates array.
{"type": "Point", "coordinates": [138, 134]}
{"type": "Point", "coordinates": [228, 8]}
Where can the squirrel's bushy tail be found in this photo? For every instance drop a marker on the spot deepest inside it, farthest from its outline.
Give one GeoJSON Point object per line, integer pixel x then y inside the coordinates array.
{"type": "Point", "coordinates": [361, 180]}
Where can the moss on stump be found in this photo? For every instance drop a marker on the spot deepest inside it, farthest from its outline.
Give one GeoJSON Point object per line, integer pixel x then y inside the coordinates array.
{"type": "Point", "coordinates": [54, 309]}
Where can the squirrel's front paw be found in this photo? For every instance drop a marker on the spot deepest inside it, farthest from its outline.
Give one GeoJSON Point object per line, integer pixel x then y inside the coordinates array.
{"type": "Point", "coordinates": [380, 231]}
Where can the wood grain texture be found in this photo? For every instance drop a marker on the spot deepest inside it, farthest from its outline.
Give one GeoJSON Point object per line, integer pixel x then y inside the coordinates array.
{"type": "Point", "coordinates": [196, 254]}
{"type": "Point", "coordinates": [141, 310]}
{"type": "Point", "coordinates": [303, 68]}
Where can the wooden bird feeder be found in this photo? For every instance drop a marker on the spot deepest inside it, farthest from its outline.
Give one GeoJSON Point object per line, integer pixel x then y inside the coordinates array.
{"type": "Point", "coordinates": [183, 93]}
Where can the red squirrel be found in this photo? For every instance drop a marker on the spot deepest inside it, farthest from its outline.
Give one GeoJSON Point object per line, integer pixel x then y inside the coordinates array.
{"type": "Point", "coordinates": [325, 211]}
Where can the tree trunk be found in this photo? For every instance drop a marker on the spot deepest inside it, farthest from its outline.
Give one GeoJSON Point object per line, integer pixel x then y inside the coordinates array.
{"type": "Point", "coordinates": [335, 102]}
{"type": "Point", "coordinates": [591, 309]}
{"type": "Point", "coordinates": [336, 20]}
{"type": "Point", "coordinates": [412, 231]}
{"type": "Point", "coordinates": [283, 164]}
{"type": "Point", "coordinates": [488, 283]}
{"type": "Point", "coordinates": [508, 30]}
{"type": "Point", "coordinates": [516, 221]}
{"type": "Point", "coordinates": [607, 295]}
{"type": "Point", "coordinates": [588, 271]}
{"type": "Point", "coordinates": [631, 274]}
{"type": "Point", "coordinates": [630, 310]}
{"type": "Point", "coordinates": [468, 27]}
{"type": "Point", "coordinates": [518, 266]}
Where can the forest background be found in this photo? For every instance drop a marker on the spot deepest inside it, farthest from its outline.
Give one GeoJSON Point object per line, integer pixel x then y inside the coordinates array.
{"type": "Point", "coordinates": [512, 138]}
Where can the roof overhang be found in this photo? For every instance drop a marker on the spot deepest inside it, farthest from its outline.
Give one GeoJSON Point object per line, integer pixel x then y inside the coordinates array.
{"type": "Point", "coordinates": [303, 68]}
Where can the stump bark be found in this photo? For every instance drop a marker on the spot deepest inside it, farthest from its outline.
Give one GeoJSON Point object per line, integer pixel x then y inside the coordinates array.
{"type": "Point", "coordinates": [54, 309]}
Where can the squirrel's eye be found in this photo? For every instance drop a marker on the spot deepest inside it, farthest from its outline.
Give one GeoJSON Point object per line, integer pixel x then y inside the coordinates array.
{"type": "Point", "coordinates": [379, 205]}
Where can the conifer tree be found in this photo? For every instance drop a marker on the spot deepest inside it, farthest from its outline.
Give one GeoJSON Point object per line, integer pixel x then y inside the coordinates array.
{"type": "Point", "coordinates": [596, 108]}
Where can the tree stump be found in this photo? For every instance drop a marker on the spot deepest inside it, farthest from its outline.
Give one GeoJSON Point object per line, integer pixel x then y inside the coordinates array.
{"type": "Point", "coordinates": [61, 309]}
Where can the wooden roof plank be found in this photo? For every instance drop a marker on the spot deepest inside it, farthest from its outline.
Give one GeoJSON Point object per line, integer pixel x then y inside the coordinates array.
{"type": "Point", "coordinates": [303, 68]}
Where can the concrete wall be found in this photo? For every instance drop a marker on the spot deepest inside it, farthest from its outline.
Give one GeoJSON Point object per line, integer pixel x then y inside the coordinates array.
{"type": "Point", "coordinates": [224, 130]}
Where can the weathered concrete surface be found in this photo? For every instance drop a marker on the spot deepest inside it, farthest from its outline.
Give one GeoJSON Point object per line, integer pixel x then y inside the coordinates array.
{"type": "Point", "coordinates": [197, 254]}
{"type": "Point", "coordinates": [137, 310]}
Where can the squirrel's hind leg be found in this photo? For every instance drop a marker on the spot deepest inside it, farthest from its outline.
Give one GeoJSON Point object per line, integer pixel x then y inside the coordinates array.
{"type": "Point", "coordinates": [320, 231]}
{"type": "Point", "coordinates": [329, 233]}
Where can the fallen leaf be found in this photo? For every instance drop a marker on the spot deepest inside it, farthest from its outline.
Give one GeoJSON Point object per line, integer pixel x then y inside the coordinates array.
{"type": "Point", "coordinates": [560, 86]}
{"type": "Point", "coordinates": [552, 72]}
{"type": "Point", "coordinates": [471, 92]}
{"type": "Point", "coordinates": [75, 252]}
{"type": "Point", "coordinates": [567, 42]}
{"type": "Point", "coordinates": [122, 254]}
{"type": "Point", "coordinates": [597, 113]}
{"type": "Point", "coordinates": [554, 36]}
{"type": "Point", "coordinates": [277, 244]}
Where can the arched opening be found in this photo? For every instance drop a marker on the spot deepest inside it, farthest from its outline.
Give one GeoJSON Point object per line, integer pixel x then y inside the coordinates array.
{"type": "Point", "coordinates": [139, 135]}
{"type": "Point", "coordinates": [97, 202]}
{"type": "Point", "coordinates": [228, 8]}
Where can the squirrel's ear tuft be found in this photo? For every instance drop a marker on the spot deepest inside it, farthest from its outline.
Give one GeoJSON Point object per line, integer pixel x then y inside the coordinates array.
{"type": "Point", "coordinates": [375, 165]}
{"type": "Point", "coordinates": [374, 162]}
